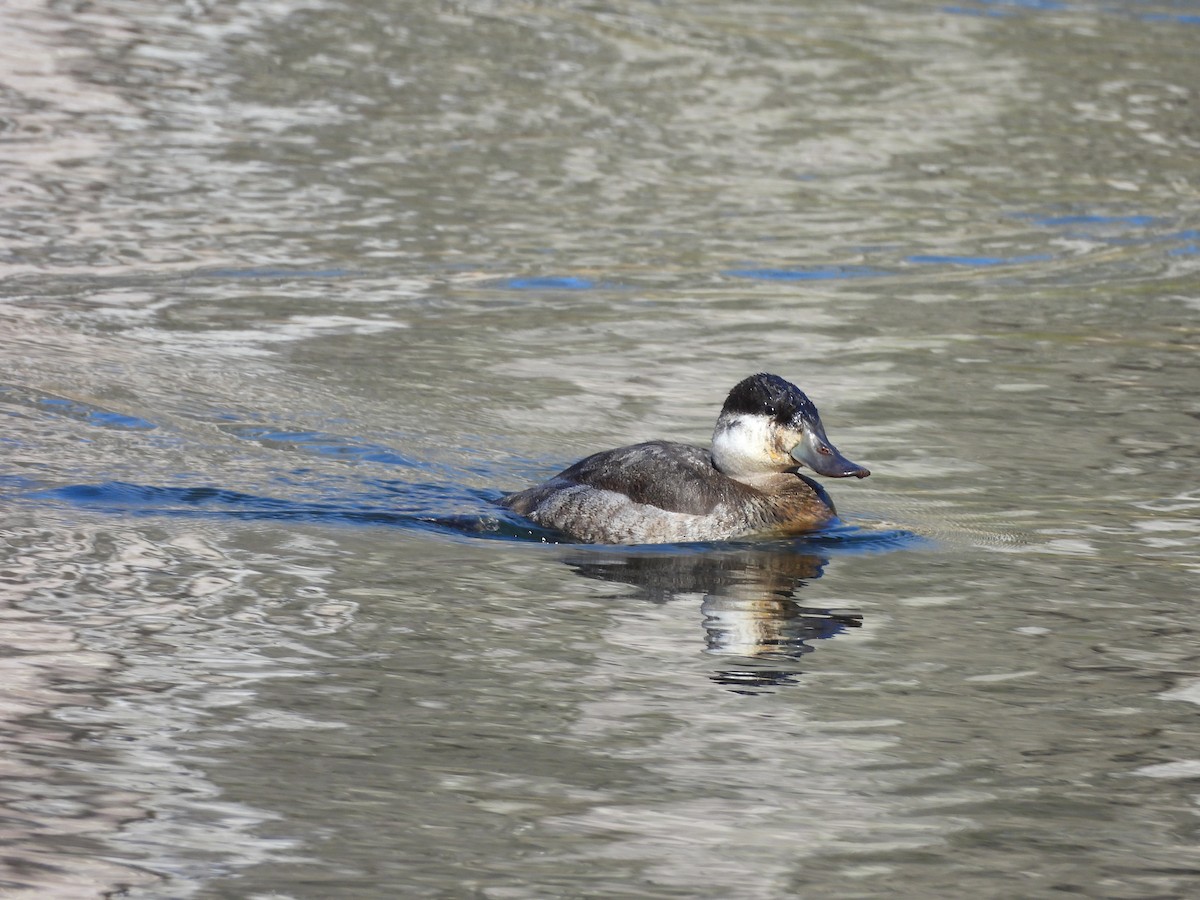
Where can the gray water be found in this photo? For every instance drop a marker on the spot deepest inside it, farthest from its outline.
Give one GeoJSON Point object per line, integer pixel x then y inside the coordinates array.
{"type": "Point", "coordinates": [291, 292]}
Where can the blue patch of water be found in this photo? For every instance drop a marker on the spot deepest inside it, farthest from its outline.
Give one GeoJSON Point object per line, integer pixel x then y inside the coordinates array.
{"type": "Point", "coordinates": [806, 273]}
{"type": "Point", "coordinates": [426, 508]}
{"type": "Point", "coordinates": [16, 483]}
{"type": "Point", "coordinates": [983, 261]}
{"type": "Point", "coordinates": [1118, 229]}
{"type": "Point", "coordinates": [75, 409]}
{"type": "Point", "coordinates": [322, 444]}
{"type": "Point", "coordinates": [1007, 7]}
{"type": "Point", "coordinates": [118, 420]}
{"type": "Point", "coordinates": [1173, 18]}
{"type": "Point", "coordinates": [549, 283]}
{"type": "Point", "coordinates": [1132, 221]}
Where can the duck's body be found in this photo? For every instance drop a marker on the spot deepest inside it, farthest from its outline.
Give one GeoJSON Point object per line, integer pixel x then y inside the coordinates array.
{"type": "Point", "coordinates": [663, 492]}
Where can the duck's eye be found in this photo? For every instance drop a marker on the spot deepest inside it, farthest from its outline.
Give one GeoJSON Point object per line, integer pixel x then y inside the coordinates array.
{"type": "Point", "coordinates": [824, 451]}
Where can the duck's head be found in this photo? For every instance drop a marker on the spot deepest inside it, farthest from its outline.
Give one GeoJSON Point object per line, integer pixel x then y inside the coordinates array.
{"type": "Point", "coordinates": [769, 425]}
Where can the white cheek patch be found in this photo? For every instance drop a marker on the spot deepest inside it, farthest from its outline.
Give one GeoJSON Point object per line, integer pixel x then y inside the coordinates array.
{"type": "Point", "coordinates": [743, 445]}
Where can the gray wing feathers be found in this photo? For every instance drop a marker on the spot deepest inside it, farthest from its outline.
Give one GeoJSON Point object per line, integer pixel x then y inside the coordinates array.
{"type": "Point", "coordinates": [675, 477]}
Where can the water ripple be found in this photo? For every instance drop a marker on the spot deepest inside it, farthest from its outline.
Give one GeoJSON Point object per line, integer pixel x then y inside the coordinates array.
{"type": "Point", "coordinates": [427, 507]}
{"type": "Point", "coordinates": [87, 413]}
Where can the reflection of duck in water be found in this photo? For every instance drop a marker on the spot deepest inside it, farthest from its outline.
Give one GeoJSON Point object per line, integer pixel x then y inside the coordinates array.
{"type": "Point", "coordinates": [751, 616]}
{"type": "Point", "coordinates": [664, 492]}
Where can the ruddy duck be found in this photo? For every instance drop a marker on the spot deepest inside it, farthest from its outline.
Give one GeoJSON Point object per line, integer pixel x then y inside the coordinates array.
{"type": "Point", "coordinates": [663, 492]}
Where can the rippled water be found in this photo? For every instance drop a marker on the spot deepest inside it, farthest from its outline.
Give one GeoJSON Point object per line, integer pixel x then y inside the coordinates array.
{"type": "Point", "coordinates": [290, 293]}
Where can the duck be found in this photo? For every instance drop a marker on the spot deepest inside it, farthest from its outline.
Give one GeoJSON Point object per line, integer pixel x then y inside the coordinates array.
{"type": "Point", "coordinates": [746, 484]}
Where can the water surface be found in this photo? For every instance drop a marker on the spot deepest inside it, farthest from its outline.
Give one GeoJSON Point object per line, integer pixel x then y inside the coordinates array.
{"type": "Point", "coordinates": [290, 293]}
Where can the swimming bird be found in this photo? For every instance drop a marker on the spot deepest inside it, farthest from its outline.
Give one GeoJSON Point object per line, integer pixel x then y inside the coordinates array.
{"type": "Point", "coordinates": [658, 492]}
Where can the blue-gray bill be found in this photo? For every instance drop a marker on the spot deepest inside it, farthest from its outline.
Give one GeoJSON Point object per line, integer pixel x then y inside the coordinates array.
{"type": "Point", "coordinates": [816, 452]}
